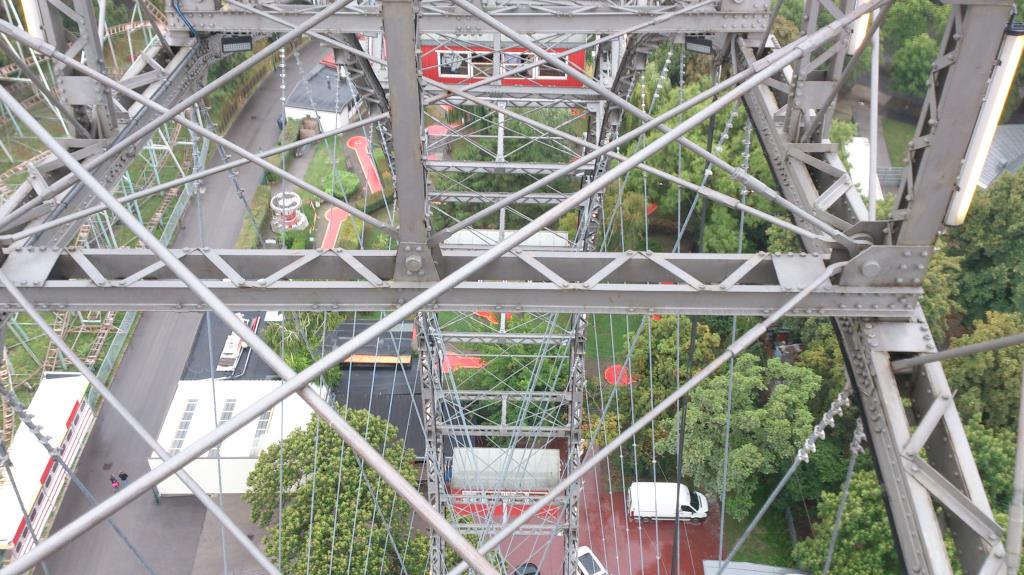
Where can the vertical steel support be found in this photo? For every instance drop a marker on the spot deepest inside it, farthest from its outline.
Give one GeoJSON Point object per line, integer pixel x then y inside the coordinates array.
{"type": "Point", "coordinates": [577, 384]}
{"type": "Point", "coordinates": [103, 108]}
{"type": "Point", "coordinates": [430, 381]}
{"type": "Point", "coordinates": [414, 261]}
{"type": "Point", "coordinates": [948, 475]}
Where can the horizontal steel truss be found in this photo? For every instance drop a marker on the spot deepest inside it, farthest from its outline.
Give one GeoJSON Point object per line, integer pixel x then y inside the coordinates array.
{"type": "Point", "coordinates": [630, 282]}
{"type": "Point", "coordinates": [470, 197]}
{"type": "Point", "coordinates": [457, 407]}
{"type": "Point", "coordinates": [442, 17]}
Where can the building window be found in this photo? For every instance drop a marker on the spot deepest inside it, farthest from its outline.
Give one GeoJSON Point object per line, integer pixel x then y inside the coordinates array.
{"type": "Point", "coordinates": [186, 420]}
{"type": "Point", "coordinates": [453, 64]}
{"type": "Point", "coordinates": [226, 413]}
{"type": "Point", "coordinates": [261, 429]}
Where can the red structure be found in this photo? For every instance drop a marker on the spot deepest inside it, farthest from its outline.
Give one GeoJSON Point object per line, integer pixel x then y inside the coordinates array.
{"type": "Point", "coordinates": [453, 64]}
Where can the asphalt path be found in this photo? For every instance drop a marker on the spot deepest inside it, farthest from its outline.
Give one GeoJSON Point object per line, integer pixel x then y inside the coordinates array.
{"type": "Point", "coordinates": [166, 534]}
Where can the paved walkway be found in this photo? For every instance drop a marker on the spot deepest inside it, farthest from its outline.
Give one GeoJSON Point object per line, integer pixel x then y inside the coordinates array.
{"type": "Point", "coordinates": [167, 534]}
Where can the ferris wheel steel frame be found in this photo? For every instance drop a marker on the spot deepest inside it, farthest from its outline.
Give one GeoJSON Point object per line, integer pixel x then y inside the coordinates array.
{"type": "Point", "coordinates": [865, 275]}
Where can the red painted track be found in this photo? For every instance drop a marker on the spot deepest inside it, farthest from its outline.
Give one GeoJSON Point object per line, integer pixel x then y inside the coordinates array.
{"type": "Point", "coordinates": [361, 146]}
{"type": "Point", "coordinates": [335, 217]}
{"type": "Point", "coordinates": [454, 362]}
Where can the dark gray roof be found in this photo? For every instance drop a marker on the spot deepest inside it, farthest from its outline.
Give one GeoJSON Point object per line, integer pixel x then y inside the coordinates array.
{"type": "Point", "coordinates": [320, 91]}
{"type": "Point", "coordinates": [1006, 154]}
{"type": "Point", "coordinates": [250, 366]}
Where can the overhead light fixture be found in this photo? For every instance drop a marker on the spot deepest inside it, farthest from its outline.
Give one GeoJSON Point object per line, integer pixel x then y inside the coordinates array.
{"type": "Point", "coordinates": [860, 30]}
{"type": "Point", "coordinates": [698, 44]}
{"type": "Point", "coordinates": [985, 128]}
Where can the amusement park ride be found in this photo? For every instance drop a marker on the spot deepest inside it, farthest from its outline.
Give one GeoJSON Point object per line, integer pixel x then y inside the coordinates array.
{"type": "Point", "coordinates": [406, 58]}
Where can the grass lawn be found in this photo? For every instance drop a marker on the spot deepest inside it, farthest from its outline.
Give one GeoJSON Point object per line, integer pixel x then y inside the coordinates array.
{"type": "Point", "coordinates": [768, 544]}
{"type": "Point", "coordinates": [248, 237]}
{"type": "Point", "coordinates": [897, 135]}
{"type": "Point", "coordinates": [607, 333]}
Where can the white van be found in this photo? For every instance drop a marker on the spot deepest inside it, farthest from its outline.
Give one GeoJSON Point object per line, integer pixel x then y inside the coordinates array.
{"type": "Point", "coordinates": [652, 501]}
{"type": "Point", "coordinates": [587, 563]}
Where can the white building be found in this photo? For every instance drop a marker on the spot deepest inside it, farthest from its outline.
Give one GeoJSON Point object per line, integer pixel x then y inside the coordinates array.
{"type": "Point", "coordinates": [192, 415]}
{"type": "Point", "coordinates": [59, 408]}
{"type": "Point", "coordinates": [320, 96]}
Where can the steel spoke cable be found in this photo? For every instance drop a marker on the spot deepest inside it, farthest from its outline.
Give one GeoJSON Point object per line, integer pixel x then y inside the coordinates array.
{"type": "Point", "coordinates": [802, 455]}
{"type": "Point", "coordinates": [856, 447]}
{"type": "Point", "coordinates": [213, 394]}
{"type": "Point", "coordinates": [425, 294]}
{"type": "Point", "coordinates": [732, 362]}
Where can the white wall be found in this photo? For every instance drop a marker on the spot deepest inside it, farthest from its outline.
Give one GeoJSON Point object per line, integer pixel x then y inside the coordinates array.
{"type": "Point", "coordinates": [328, 120]}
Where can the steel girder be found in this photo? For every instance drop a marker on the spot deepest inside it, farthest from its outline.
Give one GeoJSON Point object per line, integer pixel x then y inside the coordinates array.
{"type": "Point", "coordinates": [913, 484]}
{"type": "Point", "coordinates": [442, 17]}
{"type": "Point", "coordinates": [807, 176]}
{"type": "Point", "coordinates": [541, 281]}
{"type": "Point", "coordinates": [956, 91]}
{"type": "Point", "coordinates": [178, 76]}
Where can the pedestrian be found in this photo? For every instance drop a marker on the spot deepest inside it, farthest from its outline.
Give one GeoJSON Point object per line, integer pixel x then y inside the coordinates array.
{"type": "Point", "coordinates": [114, 484]}
{"type": "Point", "coordinates": [123, 477]}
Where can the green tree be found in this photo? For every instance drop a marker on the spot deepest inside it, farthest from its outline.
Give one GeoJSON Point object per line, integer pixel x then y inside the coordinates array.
{"type": "Point", "coordinates": [865, 543]}
{"type": "Point", "coordinates": [352, 508]}
{"type": "Point", "coordinates": [770, 419]}
{"type": "Point", "coordinates": [994, 451]}
{"type": "Point", "coordinates": [908, 19]}
{"type": "Point", "coordinates": [912, 65]}
{"type": "Point", "coordinates": [941, 290]}
{"type": "Point", "coordinates": [990, 243]}
{"type": "Point", "coordinates": [988, 384]}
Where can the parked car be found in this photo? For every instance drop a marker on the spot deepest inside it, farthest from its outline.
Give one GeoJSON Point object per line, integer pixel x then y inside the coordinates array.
{"type": "Point", "coordinates": [526, 569]}
{"type": "Point", "coordinates": [587, 563]}
{"type": "Point", "coordinates": [650, 501]}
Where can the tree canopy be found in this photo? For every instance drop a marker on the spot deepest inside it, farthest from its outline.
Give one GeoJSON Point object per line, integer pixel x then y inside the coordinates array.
{"type": "Point", "coordinates": [912, 65]}
{"type": "Point", "coordinates": [989, 245]}
{"type": "Point", "coordinates": [865, 543]}
{"type": "Point", "coordinates": [770, 419]}
{"type": "Point", "coordinates": [356, 520]}
{"type": "Point", "coordinates": [988, 384]}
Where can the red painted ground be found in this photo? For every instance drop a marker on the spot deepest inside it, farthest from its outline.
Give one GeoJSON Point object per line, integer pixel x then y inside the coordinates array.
{"type": "Point", "coordinates": [634, 548]}
{"type": "Point", "coordinates": [487, 315]}
{"type": "Point", "coordinates": [625, 548]}
{"type": "Point", "coordinates": [362, 148]}
{"type": "Point", "coordinates": [453, 362]}
{"type": "Point", "coordinates": [617, 374]}
{"type": "Point", "coordinates": [437, 130]}
{"type": "Point", "coordinates": [335, 217]}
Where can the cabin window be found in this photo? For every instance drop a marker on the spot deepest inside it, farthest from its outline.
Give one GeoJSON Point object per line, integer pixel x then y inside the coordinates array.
{"type": "Point", "coordinates": [482, 64]}
{"type": "Point", "coordinates": [516, 60]}
{"type": "Point", "coordinates": [549, 72]}
{"type": "Point", "coordinates": [452, 64]}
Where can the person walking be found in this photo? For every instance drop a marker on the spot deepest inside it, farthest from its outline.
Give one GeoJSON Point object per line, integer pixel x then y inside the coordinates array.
{"type": "Point", "coordinates": [123, 477]}
{"type": "Point", "coordinates": [114, 483]}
